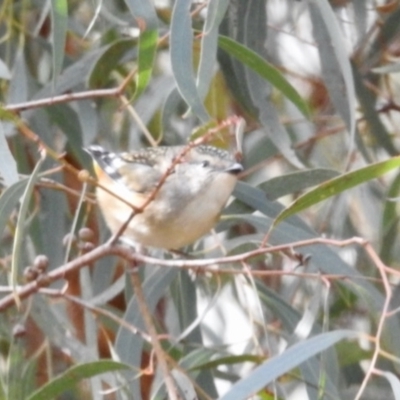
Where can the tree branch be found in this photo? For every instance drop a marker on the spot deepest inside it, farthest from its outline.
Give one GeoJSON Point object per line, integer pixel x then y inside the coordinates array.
{"type": "Point", "coordinates": [126, 253]}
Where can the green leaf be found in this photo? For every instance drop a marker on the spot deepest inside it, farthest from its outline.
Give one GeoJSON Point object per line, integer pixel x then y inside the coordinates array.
{"type": "Point", "coordinates": [67, 119]}
{"type": "Point", "coordinates": [265, 70]}
{"type": "Point", "coordinates": [73, 376]}
{"type": "Point", "coordinates": [349, 354]}
{"type": "Point", "coordinates": [296, 182]}
{"type": "Point", "coordinates": [338, 185]}
{"type": "Point", "coordinates": [148, 41]}
{"type": "Point", "coordinates": [108, 60]}
{"type": "Point", "coordinates": [390, 222]}
{"type": "Point", "coordinates": [15, 363]}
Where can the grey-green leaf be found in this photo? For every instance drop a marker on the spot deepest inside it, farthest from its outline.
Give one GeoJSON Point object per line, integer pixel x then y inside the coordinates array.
{"type": "Point", "coordinates": [335, 62]}
{"type": "Point", "coordinates": [8, 166]}
{"type": "Point", "coordinates": [70, 378]}
{"type": "Point", "coordinates": [59, 18]}
{"type": "Point", "coordinates": [181, 44]}
{"type": "Point", "coordinates": [285, 362]}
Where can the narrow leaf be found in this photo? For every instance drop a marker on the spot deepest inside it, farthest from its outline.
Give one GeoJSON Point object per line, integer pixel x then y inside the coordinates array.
{"type": "Point", "coordinates": [338, 185]}
{"type": "Point", "coordinates": [181, 44]}
{"type": "Point", "coordinates": [19, 230]}
{"type": "Point", "coordinates": [377, 128]}
{"type": "Point", "coordinates": [8, 166]}
{"type": "Point", "coordinates": [229, 360]}
{"type": "Point", "coordinates": [144, 12]}
{"type": "Point", "coordinates": [394, 383]}
{"type": "Point", "coordinates": [73, 376]}
{"type": "Point", "coordinates": [334, 61]}
{"type": "Point", "coordinates": [265, 70]}
{"type": "Point", "coordinates": [296, 181]}
{"type": "Point", "coordinates": [18, 90]}
{"type": "Point", "coordinates": [389, 223]}
{"type": "Point", "coordinates": [16, 360]}
{"type": "Point", "coordinates": [107, 61]}
{"type": "Point", "coordinates": [4, 71]}
{"type": "Point", "coordinates": [387, 69]}
{"type": "Point", "coordinates": [59, 15]}
{"type": "Point", "coordinates": [147, 52]}
{"type": "Point", "coordinates": [9, 200]}
{"type": "Point", "coordinates": [146, 16]}
{"type": "Point", "coordinates": [283, 363]}
{"type": "Point", "coordinates": [129, 346]}
{"type": "Point", "coordinates": [209, 44]}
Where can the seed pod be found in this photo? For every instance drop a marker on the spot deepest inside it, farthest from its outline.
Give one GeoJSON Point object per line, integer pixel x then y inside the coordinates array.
{"type": "Point", "coordinates": [41, 262]}
{"type": "Point", "coordinates": [30, 274]}
{"type": "Point", "coordinates": [86, 234]}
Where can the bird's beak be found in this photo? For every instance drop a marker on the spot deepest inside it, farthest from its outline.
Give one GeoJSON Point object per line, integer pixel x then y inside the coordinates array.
{"type": "Point", "coordinates": [235, 169]}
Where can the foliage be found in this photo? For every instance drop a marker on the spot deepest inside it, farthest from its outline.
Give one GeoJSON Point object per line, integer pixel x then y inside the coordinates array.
{"type": "Point", "coordinates": [295, 294]}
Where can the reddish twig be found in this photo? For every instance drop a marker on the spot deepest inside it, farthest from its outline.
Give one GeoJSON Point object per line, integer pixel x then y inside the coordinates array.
{"type": "Point", "coordinates": [385, 310]}
{"type": "Point", "coordinates": [127, 254]}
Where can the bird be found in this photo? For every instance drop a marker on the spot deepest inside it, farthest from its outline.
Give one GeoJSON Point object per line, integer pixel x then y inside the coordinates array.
{"type": "Point", "coordinates": [188, 187]}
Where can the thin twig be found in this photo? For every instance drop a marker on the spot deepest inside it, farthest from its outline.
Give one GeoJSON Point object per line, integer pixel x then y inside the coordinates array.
{"type": "Point", "coordinates": [55, 275]}
{"type": "Point", "coordinates": [88, 94]}
{"type": "Point", "coordinates": [385, 309]}
{"type": "Point", "coordinates": [127, 254]}
{"type": "Point", "coordinates": [170, 385]}
{"type": "Point", "coordinates": [63, 98]}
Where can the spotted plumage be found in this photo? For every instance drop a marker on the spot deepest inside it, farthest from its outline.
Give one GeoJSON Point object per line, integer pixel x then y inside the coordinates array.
{"type": "Point", "coordinates": [196, 185]}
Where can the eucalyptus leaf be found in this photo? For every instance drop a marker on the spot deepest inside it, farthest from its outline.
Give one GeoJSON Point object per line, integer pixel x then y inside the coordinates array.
{"type": "Point", "coordinates": [283, 363]}
{"type": "Point", "coordinates": [143, 10]}
{"type": "Point", "coordinates": [295, 182]}
{"type": "Point", "coordinates": [209, 44]}
{"type": "Point", "coordinates": [8, 166]}
{"type": "Point", "coordinates": [70, 378]}
{"type": "Point", "coordinates": [9, 201]}
{"type": "Point", "coordinates": [59, 14]}
{"type": "Point", "coordinates": [264, 69]}
{"type": "Point", "coordinates": [338, 185]}
{"type": "Point", "coordinates": [148, 42]}
{"type": "Point", "coordinates": [182, 58]}
{"type": "Point", "coordinates": [336, 67]}
{"type": "Point", "coordinates": [20, 228]}
{"type": "Point", "coordinates": [4, 71]}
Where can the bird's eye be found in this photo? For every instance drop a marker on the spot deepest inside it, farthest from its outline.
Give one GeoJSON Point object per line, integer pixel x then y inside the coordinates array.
{"type": "Point", "coordinates": [205, 163]}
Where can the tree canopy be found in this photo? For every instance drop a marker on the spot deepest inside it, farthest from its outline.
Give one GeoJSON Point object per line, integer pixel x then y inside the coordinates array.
{"type": "Point", "coordinates": [294, 294]}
